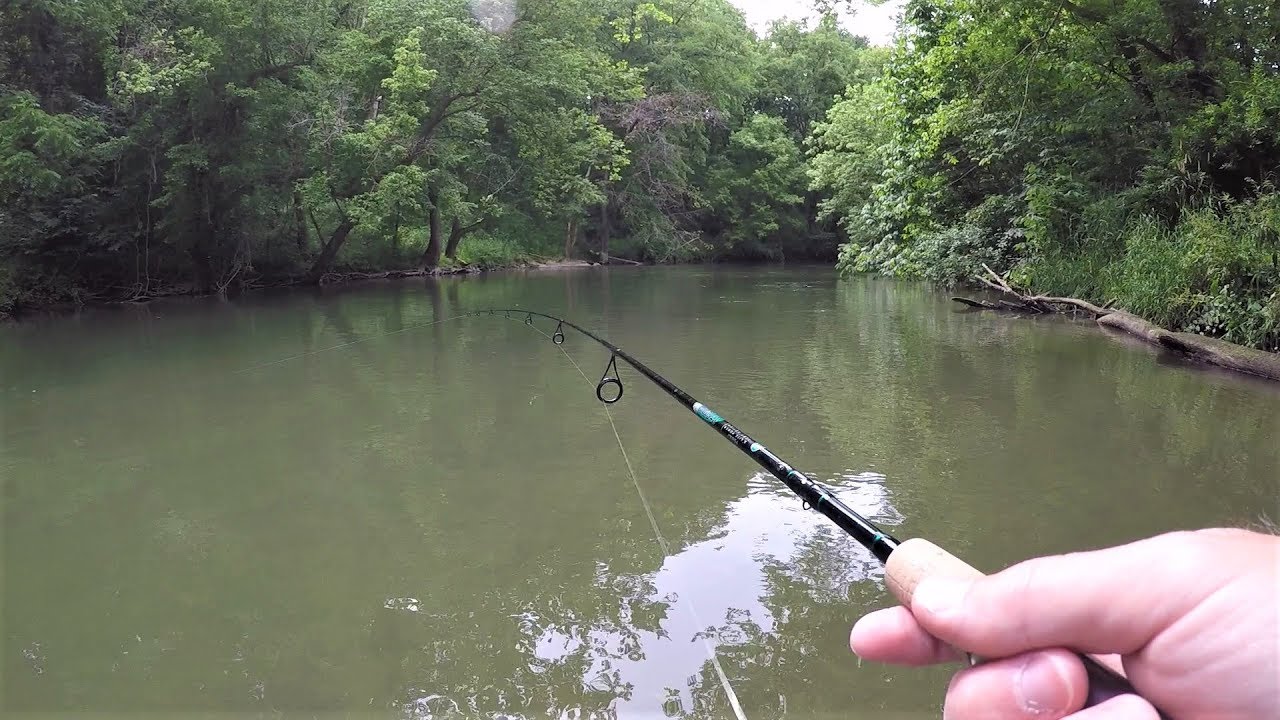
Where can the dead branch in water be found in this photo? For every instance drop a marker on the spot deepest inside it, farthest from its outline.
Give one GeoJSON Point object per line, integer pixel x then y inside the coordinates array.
{"type": "Point", "coordinates": [1198, 347]}
{"type": "Point", "coordinates": [615, 258]}
{"type": "Point", "coordinates": [976, 303]}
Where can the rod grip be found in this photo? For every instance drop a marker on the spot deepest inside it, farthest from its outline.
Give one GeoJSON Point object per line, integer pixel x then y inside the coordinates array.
{"type": "Point", "coordinates": [915, 559]}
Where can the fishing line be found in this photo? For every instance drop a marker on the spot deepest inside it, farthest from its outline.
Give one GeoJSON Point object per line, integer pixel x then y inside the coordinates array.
{"type": "Point", "coordinates": [648, 510]}
{"type": "Point", "coordinates": [906, 563]}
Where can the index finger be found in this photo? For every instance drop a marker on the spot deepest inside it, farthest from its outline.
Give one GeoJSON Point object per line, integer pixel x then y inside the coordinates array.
{"type": "Point", "coordinates": [893, 636]}
{"type": "Point", "coordinates": [1107, 601]}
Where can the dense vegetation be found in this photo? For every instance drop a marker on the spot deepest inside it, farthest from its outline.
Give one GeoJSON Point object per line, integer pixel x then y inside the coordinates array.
{"type": "Point", "coordinates": [152, 146]}
{"type": "Point", "coordinates": [1126, 150]}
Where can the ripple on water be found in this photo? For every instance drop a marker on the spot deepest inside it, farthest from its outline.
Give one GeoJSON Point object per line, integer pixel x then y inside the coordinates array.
{"type": "Point", "coordinates": [716, 590]}
{"type": "Point", "coordinates": [866, 492]}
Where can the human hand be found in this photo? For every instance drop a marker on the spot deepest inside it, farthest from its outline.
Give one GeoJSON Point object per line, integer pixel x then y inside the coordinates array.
{"type": "Point", "coordinates": [1194, 618]}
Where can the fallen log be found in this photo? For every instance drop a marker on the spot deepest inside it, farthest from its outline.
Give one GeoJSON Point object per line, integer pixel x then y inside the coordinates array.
{"type": "Point", "coordinates": [1080, 304]}
{"type": "Point", "coordinates": [1020, 307]}
{"type": "Point", "coordinates": [1201, 348]}
{"type": "Point", "coordinates": [1001, 285]}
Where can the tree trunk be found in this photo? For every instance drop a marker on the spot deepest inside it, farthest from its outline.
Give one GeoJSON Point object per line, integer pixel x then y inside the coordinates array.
{"type": "Point", "coordinates": [455, 238]}
{"type": "Point", "coordinates": [605, 231]}
{"type": "Point", "coordinates": [330, 250]}
{"type": "Point", "coordinates": [299, 221]}
{"type": "Point", "coordinates": [811, 200]}
{"type": "Point", "coordinates": [1187, 23]}
{"type": "Point", "coordinates": [431, 256]}
{"type": "Point", "coordinates": [570, 234]}
{"type": "Point", "coordinates": [1137, 79]}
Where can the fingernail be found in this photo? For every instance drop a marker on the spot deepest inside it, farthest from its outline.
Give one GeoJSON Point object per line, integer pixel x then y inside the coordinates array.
{"type": "Point", "coordinates": [1042, 687]}
{"type": "Point", "coordinates": [939, 596]}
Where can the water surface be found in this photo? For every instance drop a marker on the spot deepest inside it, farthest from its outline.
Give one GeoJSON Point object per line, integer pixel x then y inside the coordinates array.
{"type": "Point", "coordinates": [321, 504]}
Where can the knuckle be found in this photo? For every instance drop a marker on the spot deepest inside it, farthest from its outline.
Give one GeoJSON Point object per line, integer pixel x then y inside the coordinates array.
{"type": "Point", "coordinates": [1003, 597]}
{"type": "Point", "coordinates": [1027, 582]}
{"type": "Point", "coordinates": [1196, 547]}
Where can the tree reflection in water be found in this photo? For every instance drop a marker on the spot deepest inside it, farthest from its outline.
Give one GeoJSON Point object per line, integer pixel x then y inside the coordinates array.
{"type": "Point", "coordinates": [626, 644]}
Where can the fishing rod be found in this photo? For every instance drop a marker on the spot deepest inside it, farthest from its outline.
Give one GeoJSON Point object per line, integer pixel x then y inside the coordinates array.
{"type": "Point", "coordinates": [906, 563]}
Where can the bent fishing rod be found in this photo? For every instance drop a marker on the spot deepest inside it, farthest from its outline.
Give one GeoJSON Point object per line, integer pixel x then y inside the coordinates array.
{"type": "Point", "coordinates": [906, 563]}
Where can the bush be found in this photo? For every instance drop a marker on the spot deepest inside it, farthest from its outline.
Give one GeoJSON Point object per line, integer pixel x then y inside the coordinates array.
{"type": "Point", "coordinates": [1216, 271]}
{"type": "Point", "coordinates": [986, 235]}
{"type": "Point", "coordinates": [488, 252]}
{"type": "Point", "coordinates": [956, 254]}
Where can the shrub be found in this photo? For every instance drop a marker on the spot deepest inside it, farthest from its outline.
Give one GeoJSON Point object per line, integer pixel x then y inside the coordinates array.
{"type": "Point", "coordinates": [487, 252]}
{"type": "Point", "coordinates": [1216, 271]}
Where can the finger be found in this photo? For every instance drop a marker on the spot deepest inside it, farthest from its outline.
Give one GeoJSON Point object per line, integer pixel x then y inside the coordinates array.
{"type": "Point", "coordinates": [1108, 601]}
{"type": "Point", "coordinates": [1120, 707]}
{"type": "Point", "coordinates": [1042, 685]}
{"type": "Point", "coordinates": [893, 636]}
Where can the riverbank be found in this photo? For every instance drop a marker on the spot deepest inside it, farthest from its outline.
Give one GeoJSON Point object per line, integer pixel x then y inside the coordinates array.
{"type": "Point", "coordinates": [1201, 348]}
{"type": "Point", "coordinates": [134, 297]}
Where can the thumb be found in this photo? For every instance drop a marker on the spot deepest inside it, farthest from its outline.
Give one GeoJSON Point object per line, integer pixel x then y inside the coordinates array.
{"type": "Point", "coordinates": [1107, 601]}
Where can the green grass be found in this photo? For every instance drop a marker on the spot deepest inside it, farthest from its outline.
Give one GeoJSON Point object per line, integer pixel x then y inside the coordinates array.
{"type": "Point", "coordinates": [488, 252]}
{"type": "Point", "coordinates": [1216, 271]}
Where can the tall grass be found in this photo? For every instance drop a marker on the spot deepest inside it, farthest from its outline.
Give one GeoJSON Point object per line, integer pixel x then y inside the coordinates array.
{"type": "Point", "coordinates": [1215, 271]}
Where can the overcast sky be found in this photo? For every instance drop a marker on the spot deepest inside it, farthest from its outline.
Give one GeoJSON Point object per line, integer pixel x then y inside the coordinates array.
{"type": "Point", "coordinates": [874, 23]}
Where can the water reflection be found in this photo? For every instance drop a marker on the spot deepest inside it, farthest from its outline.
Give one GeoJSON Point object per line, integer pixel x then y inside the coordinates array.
{"type": "Point", "coordinates": [649, 651]}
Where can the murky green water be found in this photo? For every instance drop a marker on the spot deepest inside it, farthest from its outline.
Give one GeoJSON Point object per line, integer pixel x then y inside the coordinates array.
{"type": "Point", "coordinates": [308, 504]}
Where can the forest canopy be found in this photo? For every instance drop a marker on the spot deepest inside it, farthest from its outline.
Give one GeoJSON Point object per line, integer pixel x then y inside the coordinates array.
{"type": "Point", "coordinates": [1125, 151]}
{"type": "Point", "coordinates": [212, 144]}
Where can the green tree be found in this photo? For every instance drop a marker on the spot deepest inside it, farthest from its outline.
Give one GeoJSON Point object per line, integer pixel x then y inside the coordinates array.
{"type": "Point", "coordinates": [1068, 142]}
{"type": "Point", "coordinates": [151, 148]}
{"type": "Point", "coordinates": [757, 190]}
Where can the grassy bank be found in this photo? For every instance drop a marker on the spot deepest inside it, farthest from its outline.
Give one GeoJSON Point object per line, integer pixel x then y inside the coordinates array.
{"type": "Point", "coordinates": [1215, 271]}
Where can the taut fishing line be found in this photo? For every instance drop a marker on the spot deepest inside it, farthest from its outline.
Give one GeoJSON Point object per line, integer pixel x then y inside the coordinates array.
{"type": "Point", "coordinates": [906, 564]}
{"type": "Point", "coordinates": [648, 510]}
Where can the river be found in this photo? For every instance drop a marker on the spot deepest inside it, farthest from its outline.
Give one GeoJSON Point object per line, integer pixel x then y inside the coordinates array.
{"type": "Point", "coordinates": [319, 504]}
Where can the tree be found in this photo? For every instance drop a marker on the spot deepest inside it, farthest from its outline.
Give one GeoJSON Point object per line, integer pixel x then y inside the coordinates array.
{"type": "Point", "coordinates": [169, 147]}
{"type": "Point", "coordinates": [758, 187]}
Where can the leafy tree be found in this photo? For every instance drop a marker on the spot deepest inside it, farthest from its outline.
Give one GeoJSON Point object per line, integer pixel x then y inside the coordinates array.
{"type": "Point", "coordinates": [758, 187]}
{"type": "Point", "coordinates": [1066, 142]}
{"type": "Point", "coordinates": [208, 146]}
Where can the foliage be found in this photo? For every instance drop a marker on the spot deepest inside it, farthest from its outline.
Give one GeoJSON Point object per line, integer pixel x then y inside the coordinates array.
{"type": "Point", "coordinates": [1216, 271]}
{"type": "Point", "coordinates": [1125, 151]}
{"type": "Point", "coordinates": [151, 148]}
{"type": "Point", "coordinates": [757, 186]}
{"type": "Point", "coordinates": [487, 252]}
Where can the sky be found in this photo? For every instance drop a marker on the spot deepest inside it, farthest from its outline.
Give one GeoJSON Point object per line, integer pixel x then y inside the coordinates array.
{"type": "Point", "coordinates": [874, 23]}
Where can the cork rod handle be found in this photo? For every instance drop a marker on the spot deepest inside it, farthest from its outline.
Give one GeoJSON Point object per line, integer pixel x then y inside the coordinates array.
{"type": "Point", "coordinates": [915, 559]}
